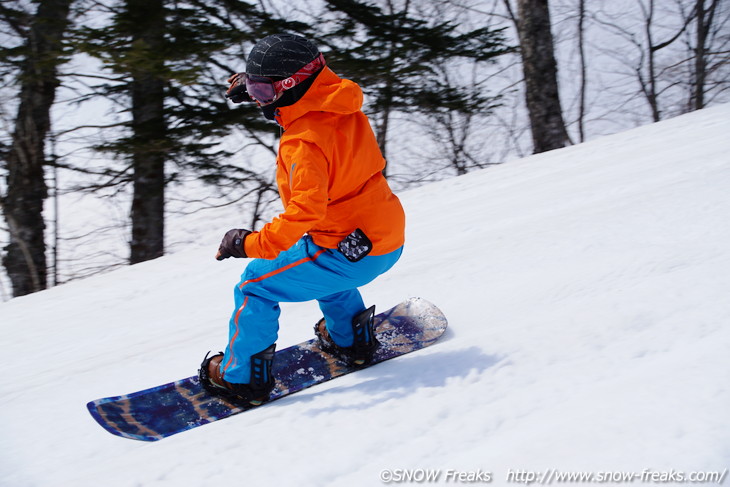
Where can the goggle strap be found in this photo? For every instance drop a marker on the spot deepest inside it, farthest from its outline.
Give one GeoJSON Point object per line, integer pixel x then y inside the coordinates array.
{"type": "Point", "coordinates": [305, 72]}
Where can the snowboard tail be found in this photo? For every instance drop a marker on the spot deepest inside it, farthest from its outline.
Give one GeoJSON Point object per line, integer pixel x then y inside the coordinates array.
{"type": "Point", "coordinates": [153, 414]}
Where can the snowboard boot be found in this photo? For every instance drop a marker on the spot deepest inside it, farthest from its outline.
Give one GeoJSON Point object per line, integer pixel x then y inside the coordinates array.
{"type": "Point", "coordinates": [255, 393]}
{"type": "Point", "coordinates": [364, 346]}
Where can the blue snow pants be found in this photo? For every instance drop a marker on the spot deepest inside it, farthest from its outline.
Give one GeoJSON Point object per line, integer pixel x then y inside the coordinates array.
{"type": "Point", "coordinates": [302, 273]}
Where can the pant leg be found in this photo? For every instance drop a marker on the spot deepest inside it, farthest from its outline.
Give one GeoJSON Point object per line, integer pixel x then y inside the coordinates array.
{"type": "Point", "coordinates": [302, 273]}
{"type": "Point", "coordinates": [254, 323]}
{"type": "Point", "coordinates": [340, 307]}
{"type": "Point", "coordinates": [248, 336]}
{"type": "Point", "coordinates": [338, 310]}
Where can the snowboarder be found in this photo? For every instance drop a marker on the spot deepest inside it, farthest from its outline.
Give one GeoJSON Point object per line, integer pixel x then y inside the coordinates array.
{"type": "Point", "coordinates": [341, 227]}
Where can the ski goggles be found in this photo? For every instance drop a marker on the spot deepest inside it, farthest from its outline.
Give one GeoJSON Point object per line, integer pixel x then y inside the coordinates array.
{"type": "Point", "coordinates": [264, 90]}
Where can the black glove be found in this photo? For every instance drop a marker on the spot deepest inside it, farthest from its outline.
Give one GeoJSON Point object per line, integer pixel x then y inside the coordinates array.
{"type": "Point", "coordinates": [237, 91]}
{"type": "Point", "coordinates": [232, 244]}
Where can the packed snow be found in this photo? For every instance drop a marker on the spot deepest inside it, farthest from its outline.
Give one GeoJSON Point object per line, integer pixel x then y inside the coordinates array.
{"type": "Point", "coordinates": [588, 297]}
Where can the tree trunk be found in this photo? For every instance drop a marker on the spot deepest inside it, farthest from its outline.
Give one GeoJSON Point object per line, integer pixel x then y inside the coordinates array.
{"type": "Point", "coordinates": [381, 130]}
{"type": "Point", "coordinates": [25, 258]}
{"type": "Point", "coordinates": [705, 19]}
{"type": "Point", "coordinates": [147, 23]}
{"type": "Point", "coordinates": [650, 85]}
{"type": "Point", "coordinates": [583, 78]}
{"type": "Point", "coordinates": [541, 79]}
{"type": "Point", "coordinates": [381, 136]}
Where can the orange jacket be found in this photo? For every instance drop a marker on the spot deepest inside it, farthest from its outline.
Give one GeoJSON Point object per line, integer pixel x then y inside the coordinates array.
{"type": "Point", "coordinates": [329, 173]}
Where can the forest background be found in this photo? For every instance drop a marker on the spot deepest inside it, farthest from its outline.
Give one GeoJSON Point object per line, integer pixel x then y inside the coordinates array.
{"type": "Point", "coordinates": [115, 135]}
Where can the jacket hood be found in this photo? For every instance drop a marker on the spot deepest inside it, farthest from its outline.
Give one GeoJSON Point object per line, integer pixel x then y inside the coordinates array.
{"type": "Point", "coordinates": [328, 93]}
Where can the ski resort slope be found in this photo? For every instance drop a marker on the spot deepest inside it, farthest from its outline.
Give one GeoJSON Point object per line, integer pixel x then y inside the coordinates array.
{"type": "Point", "coordinates": [588, 297]}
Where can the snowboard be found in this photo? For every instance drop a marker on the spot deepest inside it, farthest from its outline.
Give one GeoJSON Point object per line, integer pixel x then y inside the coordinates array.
{"type": "Point", "coordinates": [162, 411]}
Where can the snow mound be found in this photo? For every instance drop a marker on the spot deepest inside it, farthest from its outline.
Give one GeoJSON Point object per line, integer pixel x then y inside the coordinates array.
{"type": "Point", "coordinates": [587, 296]}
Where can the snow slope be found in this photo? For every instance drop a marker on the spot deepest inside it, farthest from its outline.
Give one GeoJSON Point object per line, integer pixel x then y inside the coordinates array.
{"type": "Point", "coordinates": [587, 291]}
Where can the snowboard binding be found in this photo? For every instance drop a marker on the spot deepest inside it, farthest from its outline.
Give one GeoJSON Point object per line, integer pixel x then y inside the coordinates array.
{"type": "Point", "coordinates": [361, 352]}
{"type": "Point", "coordinates": [254, 394]}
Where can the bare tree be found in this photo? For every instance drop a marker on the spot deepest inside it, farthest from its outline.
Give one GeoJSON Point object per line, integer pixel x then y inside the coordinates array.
{"type": "Point", "coordinates": [657, 65]}
{"type": "Point", "coordinates": [648, 77]}
{"type": "Point", "coordinates": [583, 69]}
{"type": "Point", "coordinates": [710, 51]}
